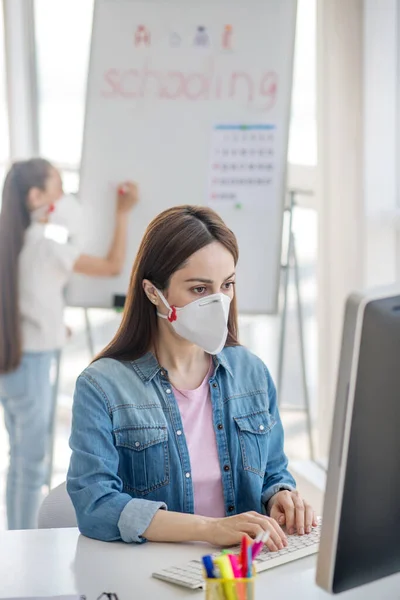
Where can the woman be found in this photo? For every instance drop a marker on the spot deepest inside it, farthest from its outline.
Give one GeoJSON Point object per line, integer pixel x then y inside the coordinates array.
{"type": "Point", "coordinates": [33, 273]}
{"type": "Point", "coordinates": [175, 413]}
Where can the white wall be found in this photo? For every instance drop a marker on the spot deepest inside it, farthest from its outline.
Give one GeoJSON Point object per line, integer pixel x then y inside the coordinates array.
{"type": "Point", "coordinates": [380, 138]}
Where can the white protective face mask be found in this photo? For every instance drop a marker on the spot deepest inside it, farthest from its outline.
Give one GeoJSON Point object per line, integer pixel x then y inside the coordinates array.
{"type": "Point", "coordinates": [202, 322]}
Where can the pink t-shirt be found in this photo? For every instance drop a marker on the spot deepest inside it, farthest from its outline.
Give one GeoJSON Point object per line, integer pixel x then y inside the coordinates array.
{"type": "Point", "coordinates": [196, 413]}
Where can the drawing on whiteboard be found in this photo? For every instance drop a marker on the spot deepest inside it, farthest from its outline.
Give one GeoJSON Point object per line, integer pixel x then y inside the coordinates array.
{"type": "Point", "coordinates": [241, 165]}
{"type": "Point", "coordinates": [201, 38]}
{"type": "Point", "coordinates": [227, 37]}
{"type": "Point", "coordinates": [142, 36]}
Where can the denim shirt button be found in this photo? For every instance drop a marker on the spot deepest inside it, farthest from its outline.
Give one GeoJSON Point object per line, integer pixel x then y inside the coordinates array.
{"type": "Point", "coordinates": [215, 385]}
{"type": "Point", "coordinates": [227, 468]}
{"type": "Point", "coordinates": [187, 475]}
{"type": "Point", "coordinates": [179, 432]}
{"type": "Point", "coordinates": [167, 391]}
{"type": "Point", "coordinates": [220, 426]}
{"type": "Point", "coordinates": [231, 508]}
{"type": "Point", "coordinates": [137, 444]}
{"type": "Point", "coordinates": [262, 427]}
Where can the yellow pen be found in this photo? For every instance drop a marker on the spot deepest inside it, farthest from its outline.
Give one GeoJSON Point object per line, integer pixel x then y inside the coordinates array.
{"type": "Point", "coordinates": [225, 568]}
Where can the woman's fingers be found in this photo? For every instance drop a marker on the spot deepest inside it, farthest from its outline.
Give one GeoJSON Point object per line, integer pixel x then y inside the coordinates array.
{"type": "Point", "coordinates": [299, 512]}
{"type": "Point", "coordinates": [277, 539]}
{"type": "Point", "coordinates": [278, 514]}
{"type": "Point", "coordinates": [309, 517]}
{"type": "Point", "coordinates": [271, 545]}
{"type": "Point", "coordinates": [288, 507]}
{"type": "Point", "coordinates": [279, 531]}
{"type": "Point", "coordinates": [252, 529]}
{"type": "Point", "coordinates": [315, 521]}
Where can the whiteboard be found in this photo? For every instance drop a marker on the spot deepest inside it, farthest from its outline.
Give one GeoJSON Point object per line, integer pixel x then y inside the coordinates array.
{"type": "Point", "coordinates": [191, 99]}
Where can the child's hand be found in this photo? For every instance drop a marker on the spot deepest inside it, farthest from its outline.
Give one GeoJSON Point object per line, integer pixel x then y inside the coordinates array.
{"type": "Point", "coordinates": [128, 196]}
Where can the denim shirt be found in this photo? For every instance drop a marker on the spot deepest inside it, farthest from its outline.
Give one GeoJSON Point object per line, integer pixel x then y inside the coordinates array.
{"type": "Point", "coordinates": [129, 452]}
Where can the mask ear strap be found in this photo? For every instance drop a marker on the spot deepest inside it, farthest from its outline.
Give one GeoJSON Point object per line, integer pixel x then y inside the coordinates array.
{"type": "Point", "coordinates": [171, 309]}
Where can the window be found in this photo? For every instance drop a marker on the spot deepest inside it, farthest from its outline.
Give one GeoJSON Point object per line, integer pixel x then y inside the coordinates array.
{"type": "Point", "coordinates": [70, 179]}
{"type": "Point", "coordinates": [303, 126]}
{"type": "Point", "coordinates": [4, 134]}
{"type": "Point", "coordinates": [62, 33]}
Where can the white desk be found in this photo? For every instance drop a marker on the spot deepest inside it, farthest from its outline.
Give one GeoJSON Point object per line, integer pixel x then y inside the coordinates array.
{"type": "Point", "coordinates": [59, 561]}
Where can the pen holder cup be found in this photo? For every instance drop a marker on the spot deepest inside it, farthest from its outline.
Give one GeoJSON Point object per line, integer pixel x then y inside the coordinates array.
{"type": "Point", "coordinates": [230, 589]}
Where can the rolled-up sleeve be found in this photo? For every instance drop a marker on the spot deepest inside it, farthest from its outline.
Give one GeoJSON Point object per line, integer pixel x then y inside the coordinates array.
{"type": "Point", "coordinates": [103, 510]}
{"type": "Point", "coordinates": [277, 475]}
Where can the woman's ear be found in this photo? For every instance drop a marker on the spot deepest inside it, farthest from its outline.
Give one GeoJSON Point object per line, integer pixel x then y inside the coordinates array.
{"type": "Point", "coordinates": [150, 292]}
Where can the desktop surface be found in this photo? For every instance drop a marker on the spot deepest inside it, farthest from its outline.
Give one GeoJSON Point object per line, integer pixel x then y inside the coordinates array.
{"type": "Point", "coordinates": [52, 562]}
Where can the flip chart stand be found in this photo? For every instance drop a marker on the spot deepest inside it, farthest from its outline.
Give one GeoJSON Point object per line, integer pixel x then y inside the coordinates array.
{"type": "Point", "coordinates": [291, 264]}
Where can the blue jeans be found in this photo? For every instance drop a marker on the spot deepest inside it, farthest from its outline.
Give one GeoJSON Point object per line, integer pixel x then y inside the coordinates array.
{"type": "Point", "coordinates": [27, 398]}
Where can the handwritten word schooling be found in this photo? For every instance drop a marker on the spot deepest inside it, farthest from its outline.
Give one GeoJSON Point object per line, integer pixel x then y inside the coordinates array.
{"type": "Point", "coordinates": [258, 91]}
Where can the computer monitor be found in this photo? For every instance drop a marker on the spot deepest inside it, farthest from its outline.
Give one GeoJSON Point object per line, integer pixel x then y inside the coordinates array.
{"type": "Point", "coordinates": [360, 538]}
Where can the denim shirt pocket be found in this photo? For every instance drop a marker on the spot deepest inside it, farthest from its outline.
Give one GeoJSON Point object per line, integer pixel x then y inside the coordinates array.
{"type": "Point", "coordinates": [143, 458]}
{"type": "Point", "coordinates": [254, 433]}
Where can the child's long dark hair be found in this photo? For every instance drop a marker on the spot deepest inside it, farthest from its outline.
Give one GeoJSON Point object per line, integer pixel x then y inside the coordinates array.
{"type": "Point", "coordinates": [14, 220]}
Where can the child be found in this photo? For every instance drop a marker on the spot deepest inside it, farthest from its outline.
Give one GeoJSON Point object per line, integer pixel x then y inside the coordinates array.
{"type": "Point", "coordinates": [33, 273]}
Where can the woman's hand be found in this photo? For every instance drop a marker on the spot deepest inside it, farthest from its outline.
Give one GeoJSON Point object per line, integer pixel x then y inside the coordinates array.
{"type": "Point", "coordinates": [289, 508]}
{"type": "Point", "coordinates": [230, 530]}
{"type": "Point", "coordinates": [128, 197]}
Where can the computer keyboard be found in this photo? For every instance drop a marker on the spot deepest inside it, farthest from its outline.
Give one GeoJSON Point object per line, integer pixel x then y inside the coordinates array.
{"type": "Point", "coordinates": [190, 575]}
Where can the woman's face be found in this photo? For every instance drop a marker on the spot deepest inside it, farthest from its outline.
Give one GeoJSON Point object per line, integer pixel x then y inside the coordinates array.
{"type": "Point", "coordinates": [208, 271]}
{"type": "Point", "coordinates": [54, 188]}
{"type": "Point", "coordinates": [52, 192]}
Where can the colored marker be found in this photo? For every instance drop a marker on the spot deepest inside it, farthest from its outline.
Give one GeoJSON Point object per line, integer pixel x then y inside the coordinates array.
{"type": "Point", "coordinates": [209, 566]}
{"type": "Point", "coordinates": [259, 544]}
{"type": "Point", "coordinates": [244, 556]}
{"type": "Point", "coordinates": [249, 561]}
{"type": "Point", "coordinates": [225, 568]}
{"type": "Point", "coordinates": [237, 571]}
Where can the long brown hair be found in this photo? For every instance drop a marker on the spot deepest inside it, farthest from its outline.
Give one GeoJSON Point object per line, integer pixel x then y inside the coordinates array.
{"type": "Point", "coordinates": [170, 239]}
{"type": "Point", "coordinates": [14, 220]}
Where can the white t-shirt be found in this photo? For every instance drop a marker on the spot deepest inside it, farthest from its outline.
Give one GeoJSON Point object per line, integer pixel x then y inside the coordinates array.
{"type": "Point", "coordinates": [44, 269]}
